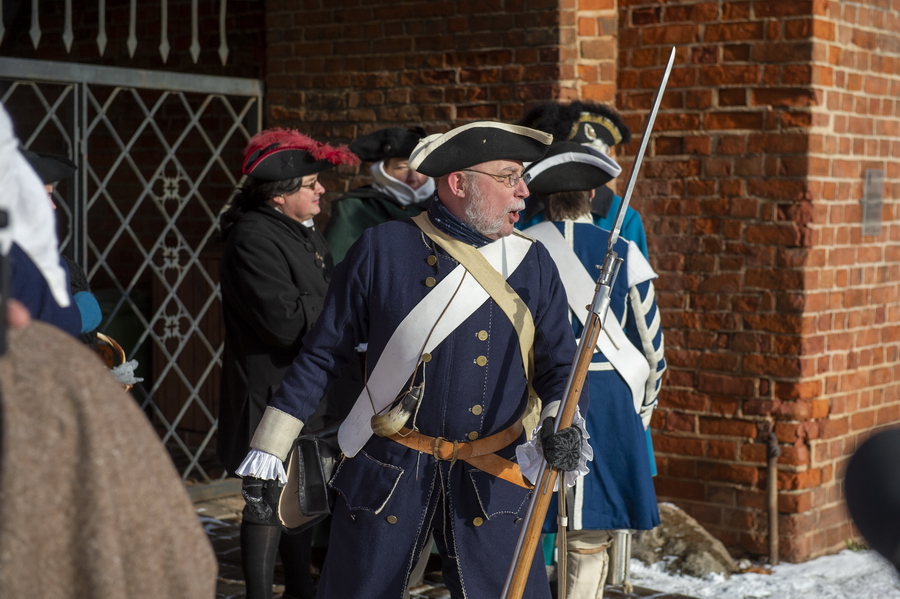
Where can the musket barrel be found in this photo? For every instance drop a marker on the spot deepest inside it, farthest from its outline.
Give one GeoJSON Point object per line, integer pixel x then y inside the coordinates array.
{"type": "Point", "coordinates": [526, 545]}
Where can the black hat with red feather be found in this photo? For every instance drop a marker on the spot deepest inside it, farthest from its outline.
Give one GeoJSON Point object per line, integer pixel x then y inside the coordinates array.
{"type": "Point", "coordinates": [280, 154]}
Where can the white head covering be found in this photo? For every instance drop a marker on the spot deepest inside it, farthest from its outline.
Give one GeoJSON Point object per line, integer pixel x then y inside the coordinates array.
{"type": "Point", "coordinates": [398, 189]}
{"type": "Point", "coordinates": [32, 225]}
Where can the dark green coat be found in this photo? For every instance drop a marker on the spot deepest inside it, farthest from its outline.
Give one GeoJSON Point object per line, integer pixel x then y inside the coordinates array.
{"type": "Point", "coordinates": [360, 209]}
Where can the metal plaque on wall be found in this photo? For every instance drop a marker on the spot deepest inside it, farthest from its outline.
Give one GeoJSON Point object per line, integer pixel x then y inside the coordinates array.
{"type": "Point", "coordinates": [873, 194]}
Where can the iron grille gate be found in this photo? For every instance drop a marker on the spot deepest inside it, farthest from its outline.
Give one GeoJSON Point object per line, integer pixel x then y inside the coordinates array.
{"type": "Point", "coordinates": [157, 154]}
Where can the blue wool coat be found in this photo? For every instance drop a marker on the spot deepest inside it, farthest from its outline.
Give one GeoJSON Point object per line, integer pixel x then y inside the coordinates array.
{"type": "Point", "coordinates": [390, 497]}
{"type": "Point", "coordinates": [28, 285]}
{"type": "Point", "coordinates": [618, 491]}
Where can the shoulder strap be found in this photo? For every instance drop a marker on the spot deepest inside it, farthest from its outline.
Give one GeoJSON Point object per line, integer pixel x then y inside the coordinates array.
{"type": "Point", "coordinates": [492, 282]}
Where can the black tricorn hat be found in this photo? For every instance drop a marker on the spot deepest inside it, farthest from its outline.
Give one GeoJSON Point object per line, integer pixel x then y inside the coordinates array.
{"type": "Point", "coordinates": [280, 154]}
{"type": "Point", "coordinates": [393, 142]}
{"type": "Point", "coordinates": [580, 121]}
{"type": "Point", "coordinates": [872, 489]}
{"type": "Point", "coordinates": [51, 168]}
{"type": "Point", "coordinates": [474, 143]}
{"type": "Point", "coordinates": [570, 166]}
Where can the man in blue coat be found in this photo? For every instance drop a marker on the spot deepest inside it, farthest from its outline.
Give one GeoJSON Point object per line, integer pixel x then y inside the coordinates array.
{"type": "Point", "coordinates": [464, 321]}
{"type": "Point", "coordinates": [625, 371]}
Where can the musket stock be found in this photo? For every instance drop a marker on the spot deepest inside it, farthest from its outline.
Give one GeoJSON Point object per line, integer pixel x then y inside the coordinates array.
{"type": "Point", "coordinates": [526, 545]}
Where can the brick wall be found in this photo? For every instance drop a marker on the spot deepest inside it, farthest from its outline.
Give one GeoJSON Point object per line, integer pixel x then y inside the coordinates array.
{"type": "Point", "coordinates": [777, 312]}
{"type": "Point", "coordinates": [342, 69]}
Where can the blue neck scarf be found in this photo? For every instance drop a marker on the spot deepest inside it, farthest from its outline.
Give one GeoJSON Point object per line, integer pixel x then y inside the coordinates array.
{"type": "Point", "coordinates": [446, 222]}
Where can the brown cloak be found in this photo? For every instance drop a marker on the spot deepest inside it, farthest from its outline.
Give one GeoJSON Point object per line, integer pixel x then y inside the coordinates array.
{"type": "Point", "coordinates": [91, 505]}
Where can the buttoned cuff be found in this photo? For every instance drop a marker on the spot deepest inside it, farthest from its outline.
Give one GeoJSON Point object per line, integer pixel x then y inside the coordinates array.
{"type": "Point", "coordinates": [276, 433]}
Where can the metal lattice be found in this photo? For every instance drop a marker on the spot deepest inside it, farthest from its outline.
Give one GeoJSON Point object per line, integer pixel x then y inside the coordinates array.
{"type": "Point", "coordinates": [158, 155]}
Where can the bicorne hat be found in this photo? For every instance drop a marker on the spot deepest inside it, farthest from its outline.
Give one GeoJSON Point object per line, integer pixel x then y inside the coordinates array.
{"type": "Point", "coordinates": [280, 154]}
{"type": "Point", "coordinates": [393, 142]}
{"type": "Point", "coordinates": [477, 142]}
{"type": "Point", "coordinates": [50, 168]}
{"type": "Point", "coordinates": [570, 166]}
{"type": "Point", "coordinates": [579, 121]}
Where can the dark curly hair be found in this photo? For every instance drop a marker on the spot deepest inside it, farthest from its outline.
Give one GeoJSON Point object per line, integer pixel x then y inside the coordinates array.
{"type": "Point", "coordinates": [253, 194]}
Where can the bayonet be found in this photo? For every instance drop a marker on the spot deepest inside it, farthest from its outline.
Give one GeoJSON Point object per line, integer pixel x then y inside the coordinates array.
{"type": "Point", "coordinates": [526, 544]}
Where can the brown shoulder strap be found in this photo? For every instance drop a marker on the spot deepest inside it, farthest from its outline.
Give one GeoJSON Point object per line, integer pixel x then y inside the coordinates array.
{"type": "Point", "coordinates": [492, 282]}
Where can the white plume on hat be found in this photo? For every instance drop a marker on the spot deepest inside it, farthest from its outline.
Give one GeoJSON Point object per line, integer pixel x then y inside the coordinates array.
{"type": "Point", "coordinates": [32, 225]}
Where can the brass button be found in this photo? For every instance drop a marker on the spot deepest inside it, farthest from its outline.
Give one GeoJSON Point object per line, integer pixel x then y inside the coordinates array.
{"type": "Point", "coordinates": [430, 282]}
{"type": "Point", "coordinates": [431, 260]}
{"type": "Point", "coordinates": [478, 521]}
{"type": "Point", "coordinates": [392, 519]}
{"type": "Point", "coordinates": [481, 360]}
{"type": "Point", "coordinates": [472, 436]}
{"type": "Point", "coordinates": [426, 357]}
{"type": "Point", "coordinates": [477, 410]}
{"type": "Point", "coordinates": [482, 335]}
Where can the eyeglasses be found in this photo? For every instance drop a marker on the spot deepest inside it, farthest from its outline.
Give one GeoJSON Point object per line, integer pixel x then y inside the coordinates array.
{"type": "Point", "coordinates": [511, 180]}
{"type": "Point", "coordinates": [311, 185]}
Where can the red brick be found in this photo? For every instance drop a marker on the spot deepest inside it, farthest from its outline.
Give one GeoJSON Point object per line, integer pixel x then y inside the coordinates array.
{"type": "Point", "coordinates": [727, 427]}
{"type": "Point", "coordinates": [731, 32]}
{"type": "Point", "coordinates": [678, 445]}
{"type": "Point", "coordinates": [667, 488]}
{"type": "Point", "coordinates": [799, 480]}
{"type": "Point", "coordinates": [733, 120]}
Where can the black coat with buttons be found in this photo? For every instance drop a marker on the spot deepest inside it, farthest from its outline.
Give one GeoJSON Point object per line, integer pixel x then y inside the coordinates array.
{"type": "Point", "coordinates": [274, 275]}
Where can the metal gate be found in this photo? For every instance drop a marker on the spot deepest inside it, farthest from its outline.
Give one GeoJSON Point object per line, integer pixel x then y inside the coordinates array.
{"type": "Point", "coordinates": [158, 157]}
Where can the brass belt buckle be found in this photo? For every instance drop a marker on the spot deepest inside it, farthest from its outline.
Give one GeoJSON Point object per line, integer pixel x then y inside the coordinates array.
{"type": "Point", "coordinates": [435, 451]}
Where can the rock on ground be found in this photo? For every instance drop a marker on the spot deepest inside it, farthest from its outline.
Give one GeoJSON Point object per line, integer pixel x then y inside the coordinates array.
{"type": "Point", "coordinates": [685, 546]}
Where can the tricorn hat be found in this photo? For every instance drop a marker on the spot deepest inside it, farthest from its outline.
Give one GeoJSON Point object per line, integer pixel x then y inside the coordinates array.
{"type": "Point", "coordinates": [579, 121]}
{"type": "Point", "coordinates": [570, 166]}
{"type": "Point", "coordinates": [51, 168]}
{"type": "Point", "coordinates": [280, 154]}
{"type": "Point", "coordinates": [393, 142]}
{"type": "Point", "coordinates": [477, 142]}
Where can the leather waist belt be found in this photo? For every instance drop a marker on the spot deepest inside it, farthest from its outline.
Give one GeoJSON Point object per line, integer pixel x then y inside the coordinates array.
{"type": "Point", "coordinates": [478, 453]}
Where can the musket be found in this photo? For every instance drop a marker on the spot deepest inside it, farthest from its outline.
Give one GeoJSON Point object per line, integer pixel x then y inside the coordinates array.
{"type": "Point", "coordinates": [526, 545]}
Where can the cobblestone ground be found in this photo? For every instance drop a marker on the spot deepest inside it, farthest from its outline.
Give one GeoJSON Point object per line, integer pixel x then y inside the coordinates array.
{"type": "Point", "coordinates": [221, 519]}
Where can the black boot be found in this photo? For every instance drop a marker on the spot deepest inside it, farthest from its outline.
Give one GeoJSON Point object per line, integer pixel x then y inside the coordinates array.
{"type": "Point", "coordinates": [259, 545]}
{"type": "Point", "coordinates": [295, 553]}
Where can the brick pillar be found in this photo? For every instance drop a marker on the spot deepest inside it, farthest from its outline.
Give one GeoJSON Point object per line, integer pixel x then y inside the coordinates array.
{"type": "Point", "coordinates": [588, 40]}
{"type": "Point", "coordinates": [777, 312]}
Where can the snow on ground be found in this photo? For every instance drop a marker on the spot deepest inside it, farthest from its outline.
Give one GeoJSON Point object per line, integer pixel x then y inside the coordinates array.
{"type": "Point", "coordinates": [847, 575]}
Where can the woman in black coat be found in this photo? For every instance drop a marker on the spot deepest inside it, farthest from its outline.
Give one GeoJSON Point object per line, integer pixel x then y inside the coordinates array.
{"type": "Point", "coordinates": [275, 271]}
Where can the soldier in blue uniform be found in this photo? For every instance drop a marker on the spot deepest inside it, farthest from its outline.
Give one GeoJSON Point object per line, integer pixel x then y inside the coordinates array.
{"type": "Point", "coordinates": [624, 375]}
{"type": "Point", "coordinates": [456, 309]}
{"type": "Point", "coordinates": [597, 126]}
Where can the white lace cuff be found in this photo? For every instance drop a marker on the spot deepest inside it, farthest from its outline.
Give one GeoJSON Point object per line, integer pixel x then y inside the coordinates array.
{"type": "Point", "coordinates": [530, 454]}
{"type": "Point", "coordinates": [260, 464]}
